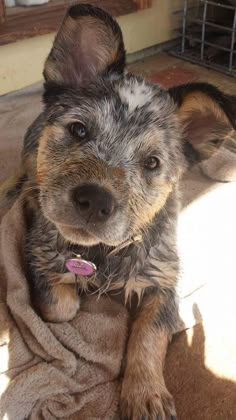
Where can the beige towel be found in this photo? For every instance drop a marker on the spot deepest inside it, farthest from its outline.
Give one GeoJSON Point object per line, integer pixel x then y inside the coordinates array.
{"type": "Point", "coordinates": [48, 371]}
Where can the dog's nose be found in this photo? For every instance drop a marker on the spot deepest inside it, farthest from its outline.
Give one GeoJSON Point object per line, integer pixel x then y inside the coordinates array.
{"type": "Point", "coordinates": [94, 202]}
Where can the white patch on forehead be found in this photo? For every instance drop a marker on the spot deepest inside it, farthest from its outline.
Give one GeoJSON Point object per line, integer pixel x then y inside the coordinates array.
{"type": "Point", "coordinates": [135, 95]}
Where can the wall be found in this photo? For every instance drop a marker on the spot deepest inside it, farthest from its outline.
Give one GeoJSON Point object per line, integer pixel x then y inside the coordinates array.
{"type": "Point", "coordinates": [21, 62]}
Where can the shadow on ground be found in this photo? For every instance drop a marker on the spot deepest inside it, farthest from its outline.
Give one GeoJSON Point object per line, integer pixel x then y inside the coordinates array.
{"type": "Point", "coordinates": [199, 394]}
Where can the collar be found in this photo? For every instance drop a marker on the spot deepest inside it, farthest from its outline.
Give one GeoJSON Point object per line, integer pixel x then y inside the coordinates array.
{"type": "Point", "coordinates": [82, 267]}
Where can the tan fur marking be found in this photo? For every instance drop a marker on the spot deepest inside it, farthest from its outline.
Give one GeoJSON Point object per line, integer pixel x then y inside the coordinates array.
{"type": "Point", "coordinates": [143, 391]}
{"type": "Point", "coordinates": [58, 278]}
{"type": "Point", "coordinates": [146, 214]}
{"type": "Point", "coordinates": [8, 185]}
{"type": "Point", "coordinates": [70, 278]}
{"type": "Point", "coordinates": [43, 164]}
{"type": "Point", "coordinates": [118, 172]}
{"type": "Point", "coordinates": [137, 287]}
{"type": "Point", "coordinates": [64, 305]}
{"type": "Point", "coordinates": [29, 164]}
{"type": "Point", "coordinates": [143, 4]}
{"type": "Point", "coordinates": [94, 170]}
{"type": "Point", "coordinates": [204, 122]}
{"type": "Point", "coordinates": [199, 101]}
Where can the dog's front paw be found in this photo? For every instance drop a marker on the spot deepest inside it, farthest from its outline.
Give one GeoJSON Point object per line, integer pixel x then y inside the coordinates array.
{"type": "Point", "coordinates": [144, 400]}
{"type": "Point", "coordinates": [64, 305]}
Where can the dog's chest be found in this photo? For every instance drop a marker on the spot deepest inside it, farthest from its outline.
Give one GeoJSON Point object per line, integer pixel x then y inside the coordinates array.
{"type": "Point", "coordinates": [48, 253]}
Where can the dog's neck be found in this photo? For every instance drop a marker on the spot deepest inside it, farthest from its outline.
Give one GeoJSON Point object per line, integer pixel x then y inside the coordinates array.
{"type": "Point", "coordinates": [82, 267]}
{"type": "Point", "coordinates": [114, 251]}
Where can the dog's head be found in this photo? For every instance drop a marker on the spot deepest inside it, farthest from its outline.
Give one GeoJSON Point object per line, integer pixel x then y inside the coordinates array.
{"type": "Point", "coordinates": [114, 146]}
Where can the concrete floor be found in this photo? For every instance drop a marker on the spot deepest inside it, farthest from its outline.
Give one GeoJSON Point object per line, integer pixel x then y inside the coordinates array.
{"type": "Point", "coordinates": [169, 71]}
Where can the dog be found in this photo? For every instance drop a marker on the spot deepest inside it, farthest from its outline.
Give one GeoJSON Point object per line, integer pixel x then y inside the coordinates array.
{"type": "Point", "coordinates": [100, 172]}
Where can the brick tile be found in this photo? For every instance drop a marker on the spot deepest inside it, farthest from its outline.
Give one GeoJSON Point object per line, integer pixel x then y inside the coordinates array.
{"type": "Point", "coordinates": [173, 76]}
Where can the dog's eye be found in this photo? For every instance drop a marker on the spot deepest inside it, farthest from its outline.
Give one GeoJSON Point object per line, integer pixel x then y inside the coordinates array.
{"type": "Point", "coordinates": [152, 162]}
{"type": "Point", "coordinates": [78, 129]}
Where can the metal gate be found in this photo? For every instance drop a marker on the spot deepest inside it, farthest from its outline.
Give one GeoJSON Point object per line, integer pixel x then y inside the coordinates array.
{"type": "Point", "coordinates": [209, 35]}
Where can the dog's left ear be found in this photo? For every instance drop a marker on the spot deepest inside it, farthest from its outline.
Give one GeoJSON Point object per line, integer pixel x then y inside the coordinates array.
{"type": "Point", "coordinates": [89, 43]}
{"type": "Point", "coordinates": [207, 117]}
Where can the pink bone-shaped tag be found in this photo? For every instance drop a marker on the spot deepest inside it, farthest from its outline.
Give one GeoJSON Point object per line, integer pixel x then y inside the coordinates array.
{"type": "Point", "coordinates": [80, 267]}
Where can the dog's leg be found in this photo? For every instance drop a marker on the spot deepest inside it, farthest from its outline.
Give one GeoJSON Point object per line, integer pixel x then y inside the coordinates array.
{"type": "Point", "coordinates": [144, 394]}
{"type": "Point", "coordinates": [61, 300]}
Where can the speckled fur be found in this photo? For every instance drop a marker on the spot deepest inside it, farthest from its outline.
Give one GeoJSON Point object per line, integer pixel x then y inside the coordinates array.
{"type": "Point", "coordinates": [127, 120]}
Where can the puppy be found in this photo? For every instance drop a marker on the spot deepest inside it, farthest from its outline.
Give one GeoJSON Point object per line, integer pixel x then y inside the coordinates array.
{"type": "Point", "coordinates": [101, 167]}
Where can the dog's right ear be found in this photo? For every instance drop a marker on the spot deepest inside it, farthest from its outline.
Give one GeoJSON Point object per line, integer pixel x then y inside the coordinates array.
{"type": "Point", "coordinates": [207, 118]}
{"type": "Point", "coordinates": [89, 43]}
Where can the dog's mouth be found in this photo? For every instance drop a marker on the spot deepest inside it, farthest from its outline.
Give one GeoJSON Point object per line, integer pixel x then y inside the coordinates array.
{"type": "Point", "coordinates": [78, 235]}
{"type": "Point", "coordinates": [81, 236]}
{"type": "Point", "coordinates": [86, 233]}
